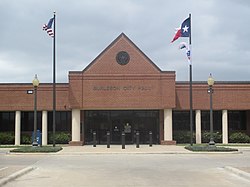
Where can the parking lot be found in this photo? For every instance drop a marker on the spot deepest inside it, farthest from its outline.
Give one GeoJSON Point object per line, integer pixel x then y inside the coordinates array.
{"type": "Point", "coordinates": [88, 166]}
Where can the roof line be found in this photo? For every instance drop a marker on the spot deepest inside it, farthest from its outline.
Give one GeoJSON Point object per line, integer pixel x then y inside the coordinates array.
{"type": "Point", "coordinates": [112, 43]}
{"type": "Point", "coordinates": [31, 84]}
{"type": "Point", "coordinates": [216, 82]}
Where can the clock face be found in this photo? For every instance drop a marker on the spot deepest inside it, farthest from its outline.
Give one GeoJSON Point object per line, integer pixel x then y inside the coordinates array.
{"type": "Point", "coordinates": [122, 58]}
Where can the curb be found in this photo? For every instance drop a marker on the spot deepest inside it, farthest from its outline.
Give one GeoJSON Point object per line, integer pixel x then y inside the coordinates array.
{"type": "Point", "coordinates": [238, 172]}
{"type": "Point", "coordinates": [118, 153]}
{"type": "Point", "coordinates": [140, 153]}
{"type": "Point", "coordinates": [76, 150]}
{"type": "Point", "coordinates": [15, 175]}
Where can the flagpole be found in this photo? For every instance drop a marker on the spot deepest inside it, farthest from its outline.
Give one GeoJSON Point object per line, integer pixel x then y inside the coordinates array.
{"type": "Point", "coordinates": [190, 88]}
{"type": "Point", "coordinates": [54, 80]}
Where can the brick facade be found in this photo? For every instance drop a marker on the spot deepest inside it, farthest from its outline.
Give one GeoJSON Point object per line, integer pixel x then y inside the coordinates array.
{"type": "Point", "coordinates": [226, 95]}
{"type": "Point", "coordinates": [14, 97]}
{"type": "Point", "coordinates": [140, 84]}
{"type": "Point", "coordinates": [105, 84]}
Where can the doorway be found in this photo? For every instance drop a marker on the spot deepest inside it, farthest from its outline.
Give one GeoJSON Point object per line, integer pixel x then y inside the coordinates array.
{"type": "Point", "coordinates": [117, 121]}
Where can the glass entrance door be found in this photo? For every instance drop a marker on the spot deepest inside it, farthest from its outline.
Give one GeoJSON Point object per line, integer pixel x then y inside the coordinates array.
{"type": "Point", "coordinates": [116, 131]}
{"type": "Point", "coordinates": [117, 127]}
{"type": "Point", "coordinates": [117, 121]}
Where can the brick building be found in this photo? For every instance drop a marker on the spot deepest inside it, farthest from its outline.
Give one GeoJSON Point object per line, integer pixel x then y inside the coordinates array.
{"type": "Point", "coordinates": [123, 90]}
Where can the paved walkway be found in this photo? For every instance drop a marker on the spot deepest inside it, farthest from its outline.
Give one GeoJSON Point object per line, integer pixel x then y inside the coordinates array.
{"type": "Point", "coordinates": [10, 173]}
{"type": "Point", "coordinates": [145, 149]}
{"type": "Point", "coordinates": [129, 149]}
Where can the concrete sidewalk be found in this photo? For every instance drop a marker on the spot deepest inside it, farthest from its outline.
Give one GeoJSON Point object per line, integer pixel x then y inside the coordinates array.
{"type": "Point", "coordinates": [129, 149]}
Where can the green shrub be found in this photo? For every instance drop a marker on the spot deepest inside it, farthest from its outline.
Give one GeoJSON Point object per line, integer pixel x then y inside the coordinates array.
{"type": "Point", "coordinates": [182, 136]}
{"type": "Point", "coordinates": [60, 138]}
{"type": "Point", "coordinates": [206, 137]}
{"type": "Point", "coordinates": [239, 137]}
{"type": "Point", "coordinates": [26, 139]}
{"type": "Point", "coordinates": [207, 148]}
{"type": "Point", "coordinates": [37, 149]}
{"type": "Point", "coordinates": [7, 138]}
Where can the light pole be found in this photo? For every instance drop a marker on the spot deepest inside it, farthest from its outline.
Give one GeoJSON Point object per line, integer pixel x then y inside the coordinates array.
{"type": "Point", "coordinates": [210, 82]}
{"type": "Point", "coordinates": [35, 83]}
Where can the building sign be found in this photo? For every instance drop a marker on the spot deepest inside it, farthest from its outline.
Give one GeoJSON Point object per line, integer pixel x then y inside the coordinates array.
{"type": "Point", "coordinates": [122, 88]}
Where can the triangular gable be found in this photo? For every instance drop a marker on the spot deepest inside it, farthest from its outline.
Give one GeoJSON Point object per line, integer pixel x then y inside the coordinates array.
{"type": "Point", "coordinates": [109, 62]}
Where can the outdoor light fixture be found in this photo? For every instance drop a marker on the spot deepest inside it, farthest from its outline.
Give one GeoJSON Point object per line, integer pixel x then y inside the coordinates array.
{"type": "Point", "coordinates": [210, 82]}
{"type": "Point", "coordinates": [35, 83]}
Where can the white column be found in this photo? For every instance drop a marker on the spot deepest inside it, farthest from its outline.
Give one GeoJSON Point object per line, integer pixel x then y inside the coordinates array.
{"type": "Point", "coordinates": [18, 128]}
{"type": "Point", "coordinates": [224, 127]}
{"type": "Point", "coordinates": [76, 125]}
{"type": "Point", "coordinates": [44, 128]}
{"type": "Point", "coordinates": [198, 126]}
{"type": "Point", "coordinates": [168, 130]}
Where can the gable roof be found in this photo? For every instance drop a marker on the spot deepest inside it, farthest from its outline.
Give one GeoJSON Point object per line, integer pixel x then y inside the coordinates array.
{"type": "Point", "coordinates": [122, 43]}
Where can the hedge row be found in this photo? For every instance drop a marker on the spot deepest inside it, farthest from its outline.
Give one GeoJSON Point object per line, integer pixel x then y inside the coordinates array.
{"type": "Point", "coordinates": [180, 136]}
{"type": "Point", "coordinates": [236, 137]}
{"type": "Point", "coordinates": [8, 138]}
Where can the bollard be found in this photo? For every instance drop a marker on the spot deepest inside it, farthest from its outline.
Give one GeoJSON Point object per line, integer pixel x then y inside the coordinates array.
{"type": "Point", "coordinates": [83, 139]}
{"type": "Point", "coordinates": [94, 139]}
{"type": "Point", "coordinates": [137, 139]}
{"type": "Point", "coordinates": [123, 140]}
{"type": "Point", "coordinates": [108, 139]}
{"type": "Point", "coordinates": [150, 138]}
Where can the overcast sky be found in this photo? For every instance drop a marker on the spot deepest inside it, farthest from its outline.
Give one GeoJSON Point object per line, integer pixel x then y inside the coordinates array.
{"type": "Point", "coordinates": [220, 36]}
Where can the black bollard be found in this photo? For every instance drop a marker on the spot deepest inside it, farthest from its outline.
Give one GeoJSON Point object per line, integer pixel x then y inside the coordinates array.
{"type": "Point", "coordinates": [83, 138]}
{"type": "Point", "coordinates": [108, 139]}
{"type": "Point", "coordinates": [94, 139]}
{"type": "Point", "coordinates": [137, 139]}
{"type": "Point", "coordinates": [150, 138]}
{"type": "Point", "coordinates": [123, 140]}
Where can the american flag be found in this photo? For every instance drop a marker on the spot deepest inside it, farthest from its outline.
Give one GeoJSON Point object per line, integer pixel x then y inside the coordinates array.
{"type": "Point", "coordinates": [48, 27]}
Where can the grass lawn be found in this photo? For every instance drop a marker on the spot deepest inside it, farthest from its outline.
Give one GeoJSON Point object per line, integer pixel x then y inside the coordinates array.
{"type": "Point", "coordinates": [207, 148]}
{"type": "Point", "coordinates": [36, 149]}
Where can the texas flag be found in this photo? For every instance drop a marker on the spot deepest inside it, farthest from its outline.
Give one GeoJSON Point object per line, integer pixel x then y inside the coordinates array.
{"type": "Point", "coordinates": [184, 30]}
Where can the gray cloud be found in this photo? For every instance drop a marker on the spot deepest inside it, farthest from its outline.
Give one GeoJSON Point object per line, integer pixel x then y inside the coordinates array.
{"type": "Point", "coordinates": [84, 28]}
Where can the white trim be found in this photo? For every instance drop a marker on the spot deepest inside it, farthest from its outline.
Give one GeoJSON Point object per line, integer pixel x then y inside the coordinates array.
{"type": "Point", "coordinates": [224, 127]}
{"type": "Point", "coordinates": [18, 128]}
{"type": "Point", "coordinates": [44, 128]}
{"type": "Point", "coordinates": [168, 129]}
{"type": "Point", "coordinates": [198, 126]}
{"type": "Point", "coordinates": [76, 127]}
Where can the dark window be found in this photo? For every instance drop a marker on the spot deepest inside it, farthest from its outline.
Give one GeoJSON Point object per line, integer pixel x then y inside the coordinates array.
{"type": "Point", "coordinates": [237, 120]}
{"type": "Point", "coordinates": [7, 121]}
{"type": "Point", "coordinates": [205, 121]}
{"type": "Point", "coordinates": [27, 121]}
{"type": "Point", "coordinates": [181, 120]}
{"type": "Point", "coordinates": [63, 121]}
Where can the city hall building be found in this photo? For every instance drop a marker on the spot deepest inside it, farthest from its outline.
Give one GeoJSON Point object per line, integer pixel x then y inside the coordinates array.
{"type": "Point", "coordinates": [123, 90]}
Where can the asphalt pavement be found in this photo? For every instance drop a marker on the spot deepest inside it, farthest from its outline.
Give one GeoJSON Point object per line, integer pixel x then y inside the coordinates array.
{"type": "Point", "coordinates": [145, 166]}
